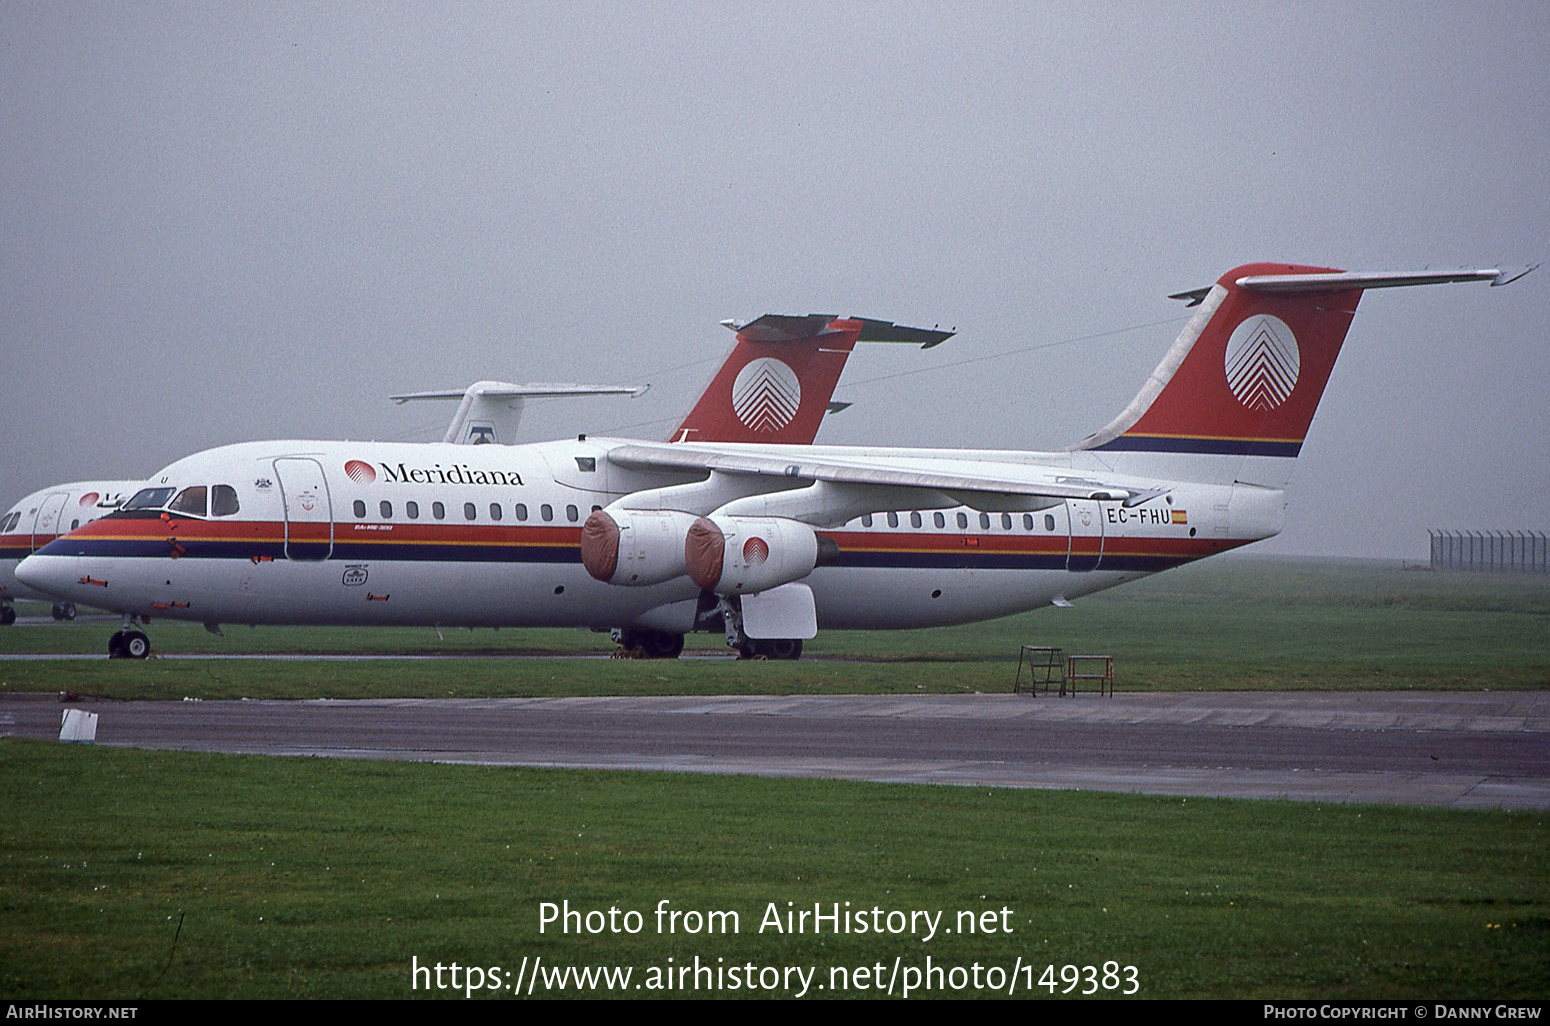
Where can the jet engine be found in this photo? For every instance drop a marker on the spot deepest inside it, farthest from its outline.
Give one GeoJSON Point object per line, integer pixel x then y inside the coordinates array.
{"type": "Point", "coordinates": [635, 546]}
{"type": "Point", "coordinates": [733, 555]}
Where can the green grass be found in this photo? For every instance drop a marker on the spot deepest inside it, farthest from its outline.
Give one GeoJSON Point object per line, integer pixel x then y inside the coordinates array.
{"type": "Point", "coordinates": [1234, 623]}
{"type": "Point", "coordinates": [308, 878]}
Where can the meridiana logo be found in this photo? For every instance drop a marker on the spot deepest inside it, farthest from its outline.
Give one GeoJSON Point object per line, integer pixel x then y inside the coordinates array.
{"type": "Point", "coordinates": [360, 473]}
{"type": "Point", "coordinates": [1262, 362]}
{"type": "Point", "coordinates": [89, 498]}
{"type": "Point", "coordinates": [766, 395]}
{"type": "Point", "coordinates": [755, 551]}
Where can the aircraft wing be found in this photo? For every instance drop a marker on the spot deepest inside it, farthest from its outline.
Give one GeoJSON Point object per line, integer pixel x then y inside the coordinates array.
{"type": "Point", "coordinates": [1020, 480]}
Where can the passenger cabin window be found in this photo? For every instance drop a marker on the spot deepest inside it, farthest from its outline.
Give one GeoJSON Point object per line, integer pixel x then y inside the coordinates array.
{"type": "Point", "coordinates": [191, 501]}
{"type": "Point", "coordinates": [914, 519]}
{"type": "Point", "coordinates": [939, 520]}
{"type": "Point", "coordinates": [150, 498]}
{"type": "Point", "coordinates": [412, 510]}
{"type": "Point", "coordinates": [984, 521]}
{"type": "Point", "coordinates": [359, 508]}
{"type": "Point", "coordinates": [521, 511]}
{"type": "Point", "coordinates": [74, 524]}
{"type": "Point", "coordinates": [1027, 521]}
{"type": "Point", "coordinates": [572, 513]}
{"type": "Point", "coordinates": [866, 520]}
{"type": "Point", "coordinates": [1049, 521]}
{"type": "Point", "coordinates": [438, 511]}
{"type": "Point", "coordinates": [470, 511]}
{"type": "Point", "coordinates": [963, 521]}
{"type": "Point", "coordinates": [547, 512]}
{"type": "Point", "coordinates": [495, 511]}
{"type": "Point", "coordinates": [1006, 521]}
{"type": "Point", "coordinates": [893, 520]}
{"type": "Point", "coordinates": [386, 509]}
{"type": "Point", "coordinates": [223, 501]}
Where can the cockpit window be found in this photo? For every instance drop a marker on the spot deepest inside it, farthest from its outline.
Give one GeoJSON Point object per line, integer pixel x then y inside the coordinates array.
{"type": "Point", "coordinates": [10, 522]}
{"type": "Point", "coordinates": [190, 500]}
{"type": "Point", "coordinates": [223, 501]}
{"type": "Point", "coordinates": [150, 498]}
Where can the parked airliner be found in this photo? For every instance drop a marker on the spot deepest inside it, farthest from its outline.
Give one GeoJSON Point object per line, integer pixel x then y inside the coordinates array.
{"type": "Point", "coordinates": [807, 358]}
{"type": "Point", "coordinates": [766, 543]}
{"type": "Point", "coordinates": [41, 517]}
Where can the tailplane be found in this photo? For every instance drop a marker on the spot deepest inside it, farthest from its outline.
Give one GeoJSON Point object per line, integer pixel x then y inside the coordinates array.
{"type": "Point", "coordinates": [1243, 380]}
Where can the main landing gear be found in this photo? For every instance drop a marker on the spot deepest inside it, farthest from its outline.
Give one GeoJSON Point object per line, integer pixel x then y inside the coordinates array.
{"type": "Point", "coordinates": [771, 648]}
{"type": "Point", "coordinates": [129, 643]}
{"type": "Point", "coordinates": [731, 615]}
{"type": "Point", "coordinates": [651, 644]}
{"type": "Point", "coordinates": [7, 614]}
{"type": "Point", "coordinates": [64, 611]}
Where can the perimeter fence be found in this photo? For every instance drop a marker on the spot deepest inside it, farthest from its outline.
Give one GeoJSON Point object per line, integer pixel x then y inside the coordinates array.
{"type": "Point", "coordinates": [1520, 552]}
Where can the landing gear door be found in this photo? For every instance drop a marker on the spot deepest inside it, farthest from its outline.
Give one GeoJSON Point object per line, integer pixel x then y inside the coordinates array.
{"type": "Point", "coordinates": [51, 515]}
{"type": "Point", "coordinates": [1086, 548]}
{"type": "Point", "coordinates": [309, 514]}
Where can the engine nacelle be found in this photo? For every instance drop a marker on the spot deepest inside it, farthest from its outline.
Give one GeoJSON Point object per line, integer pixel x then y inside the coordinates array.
{"type": "Point", "coordinates": [733, 555]}
{"type": "Point", "coordinates": [635, 546]}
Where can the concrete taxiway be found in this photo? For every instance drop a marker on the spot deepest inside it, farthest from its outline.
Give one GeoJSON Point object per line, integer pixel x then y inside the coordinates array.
{"type": "Point", "coordinates": [1464, 750]}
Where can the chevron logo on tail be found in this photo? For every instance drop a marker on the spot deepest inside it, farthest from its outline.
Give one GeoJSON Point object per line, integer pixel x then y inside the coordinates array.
{"type": "Point", "coordinates": [766, 395]}
{"type": "Point", "coordinates": [1262, 362]}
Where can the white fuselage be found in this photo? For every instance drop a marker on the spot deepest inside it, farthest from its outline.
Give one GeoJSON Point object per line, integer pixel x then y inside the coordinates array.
{"type": "Point", "coordinates": [402, 534]}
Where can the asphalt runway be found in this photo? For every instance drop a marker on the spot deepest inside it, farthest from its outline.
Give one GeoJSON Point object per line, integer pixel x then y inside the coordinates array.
{"type": "Point", "coordinates": [1461, 750]}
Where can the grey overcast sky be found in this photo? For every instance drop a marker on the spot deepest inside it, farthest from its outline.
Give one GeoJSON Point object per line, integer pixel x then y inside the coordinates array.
{"type": "Point", "coordinates": [226, 222]}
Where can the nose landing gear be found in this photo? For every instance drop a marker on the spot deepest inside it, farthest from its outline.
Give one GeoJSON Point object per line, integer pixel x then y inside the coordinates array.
{"type": "Point", "coordinates": [129, 643]}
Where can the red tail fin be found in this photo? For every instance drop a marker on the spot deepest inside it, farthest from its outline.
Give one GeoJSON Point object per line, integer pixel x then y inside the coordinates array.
{"type": "Point", "coordinates": [777, 383]}
{"type": "Point", "coordinates": [1245, 376]}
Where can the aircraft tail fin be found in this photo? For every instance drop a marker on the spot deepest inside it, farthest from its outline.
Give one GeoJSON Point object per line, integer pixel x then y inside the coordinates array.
{"type": "Point", "coordinates": [1245, 376]}
{"type": "Point", "coordinates": [778, 381]}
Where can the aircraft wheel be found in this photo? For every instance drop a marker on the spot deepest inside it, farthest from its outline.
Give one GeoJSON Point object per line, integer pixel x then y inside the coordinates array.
{"type": "Point", "coordinates": [772, 648]}
{"type": "Point", "coordinates": [136, 645]}
{"type": "Point", "coordinates": [655, 644]}
{"type": "Point", "coordinates": [64, 611]}
{"type": "Point", "coordinates": [784, 648]}
{"type": "Point", "coordinates": [7, 615]}
{"type": "Point", "coordinates": [663, 644]}
{"type": "Point", "coordinates": [116, 645]}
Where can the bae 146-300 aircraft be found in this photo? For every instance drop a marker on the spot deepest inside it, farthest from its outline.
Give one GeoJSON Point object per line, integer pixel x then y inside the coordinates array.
{"type": "Point", "coordinates": [764, 542]}
{"type": "Point", "coordinates": [38, 519]}
{"type": "Point", "coordinates": [775, 384]}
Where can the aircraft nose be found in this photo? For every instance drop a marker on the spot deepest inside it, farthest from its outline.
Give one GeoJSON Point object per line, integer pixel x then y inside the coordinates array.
{"type": "Point", "coordinates": [48, 574]}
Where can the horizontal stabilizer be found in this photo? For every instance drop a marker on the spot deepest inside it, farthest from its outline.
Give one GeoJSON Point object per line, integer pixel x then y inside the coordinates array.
{"type": "Point", "coordinates": [1341, 281]}
{"type": "Point", "coordinates": [533, 390]}
{"type": "Point", "coordinates": [1344, 280]}
{"type": "Point", "coordinates": [491, 411]}
{"type": "Point", "coordinates": [791, 328]}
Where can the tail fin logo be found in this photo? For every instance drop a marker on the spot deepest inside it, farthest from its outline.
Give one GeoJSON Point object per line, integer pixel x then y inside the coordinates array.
{"type": "Point", "coordinates": [766, 395]}
{"type": "Point", "coordinates": [1262, 362]}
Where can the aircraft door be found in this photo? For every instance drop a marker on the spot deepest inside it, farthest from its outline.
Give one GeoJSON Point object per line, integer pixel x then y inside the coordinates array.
{"type": "Point", "coordinates": [1085, 550]}
{"type": "Point", "coordinates": [309, 513]}
{"type": "Point", "coordinates": [51, 515]}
